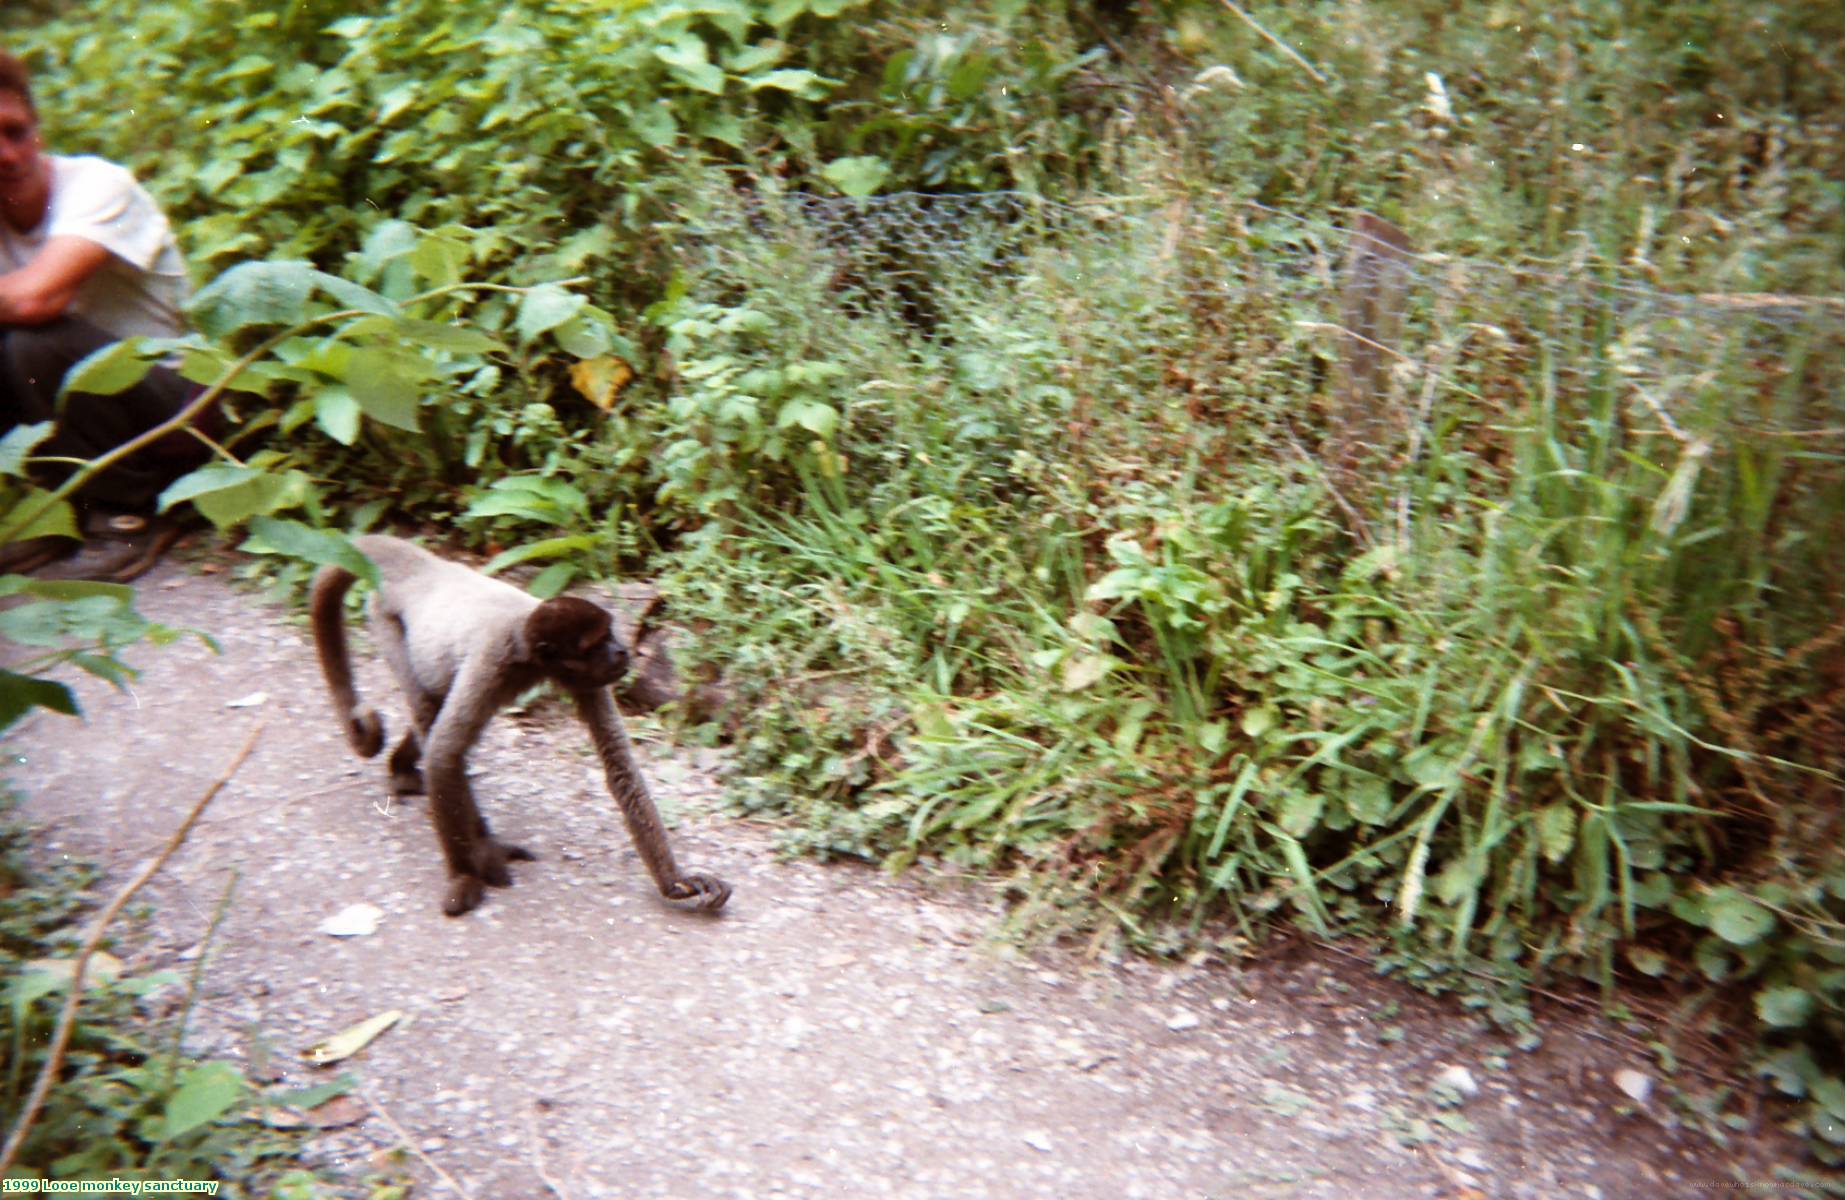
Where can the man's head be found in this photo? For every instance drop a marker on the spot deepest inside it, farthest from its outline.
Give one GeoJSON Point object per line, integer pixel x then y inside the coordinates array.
{"type": "Point", "coordinates": [22, 169]}
{"type": "Point", "coordinates": [16, 79]}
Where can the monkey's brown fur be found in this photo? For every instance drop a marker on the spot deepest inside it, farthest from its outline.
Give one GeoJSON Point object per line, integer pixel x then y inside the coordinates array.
{"type": "Point", "coordinates": [462, 646]}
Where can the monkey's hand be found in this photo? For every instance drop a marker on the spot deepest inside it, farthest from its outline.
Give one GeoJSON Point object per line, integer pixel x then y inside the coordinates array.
{"type": "Point", "coordinates": [365, 730]}
{"type": "Point", "coordinates": [705, 893]}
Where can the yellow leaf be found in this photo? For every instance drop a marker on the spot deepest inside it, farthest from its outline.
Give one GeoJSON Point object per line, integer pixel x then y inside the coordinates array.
{"type": "Point", "coordinates": [601, 379]}
{"type": "Point", "coordinates": [103, 966]}
{"type": "Point", "coordinates": [349, 1042]}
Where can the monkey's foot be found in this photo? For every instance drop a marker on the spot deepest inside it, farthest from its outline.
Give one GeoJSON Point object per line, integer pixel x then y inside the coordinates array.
{"type": "Point", "coordinates": [704, 893]}
{"type": "Point", "coordinates": [464, 894]}
{"type": "Point", "coordinates": [488, 858]}
{"type": "Point", "coordinates": [407, 782]}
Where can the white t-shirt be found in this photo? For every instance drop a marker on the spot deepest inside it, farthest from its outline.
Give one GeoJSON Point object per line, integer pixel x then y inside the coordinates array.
{"type": "Point", "coordinates": [143, 286]}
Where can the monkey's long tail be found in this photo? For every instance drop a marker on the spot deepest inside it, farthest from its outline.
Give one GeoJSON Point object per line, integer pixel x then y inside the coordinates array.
{"type": "Point", "coordinates": [364, 727]}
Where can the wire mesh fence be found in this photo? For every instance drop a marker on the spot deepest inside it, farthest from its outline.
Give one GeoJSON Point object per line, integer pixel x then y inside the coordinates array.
{"type": "Point", "coordinates": [1398, 352]}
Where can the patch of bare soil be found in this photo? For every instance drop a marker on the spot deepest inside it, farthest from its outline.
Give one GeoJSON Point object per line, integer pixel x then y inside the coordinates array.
{"type": "Point", "coordinates": [835, 1032]}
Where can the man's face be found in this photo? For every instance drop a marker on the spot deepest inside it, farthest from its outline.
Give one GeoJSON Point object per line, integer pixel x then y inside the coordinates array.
{"type": "Point", "coordinates": [20, 147]}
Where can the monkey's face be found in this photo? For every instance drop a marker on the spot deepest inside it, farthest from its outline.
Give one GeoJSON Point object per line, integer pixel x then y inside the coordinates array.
{"type": "Point", "coordinates": [597, 666]}
{"type": "Point", "coordinates": [574, 643]}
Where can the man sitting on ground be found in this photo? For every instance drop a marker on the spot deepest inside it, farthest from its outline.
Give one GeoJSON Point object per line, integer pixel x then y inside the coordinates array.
{"type": "Point", "coordinates": [86, 259]}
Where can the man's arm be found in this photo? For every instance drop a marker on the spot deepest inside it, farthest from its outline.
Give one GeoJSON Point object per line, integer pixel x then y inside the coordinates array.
{"type": "Point", "coordinates": [42, 290]}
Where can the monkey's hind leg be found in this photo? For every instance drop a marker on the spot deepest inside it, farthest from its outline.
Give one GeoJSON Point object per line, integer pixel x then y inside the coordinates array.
{"type": "Point", "coordinates": [406, 779]}
{"type": "Point", "coordinates": [388, 633]}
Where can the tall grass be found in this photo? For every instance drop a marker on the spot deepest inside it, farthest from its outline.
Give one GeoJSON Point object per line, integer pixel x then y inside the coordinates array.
{"type": "Point", "coordinates": [1548, 685]}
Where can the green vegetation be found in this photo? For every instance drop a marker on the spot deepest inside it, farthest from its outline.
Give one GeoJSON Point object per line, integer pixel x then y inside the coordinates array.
{"type": "Point", "coordinates": [131, 1105]}
{"type": "Point", "coordinates": [1010, 524]}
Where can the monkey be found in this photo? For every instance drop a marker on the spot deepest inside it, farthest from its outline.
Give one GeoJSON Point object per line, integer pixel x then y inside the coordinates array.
{"type": "Point", "coordinates": [462, 646]}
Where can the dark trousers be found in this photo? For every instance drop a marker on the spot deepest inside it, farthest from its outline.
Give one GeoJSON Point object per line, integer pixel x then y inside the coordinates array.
{"type": "Point", "coordinates": [33, 362]}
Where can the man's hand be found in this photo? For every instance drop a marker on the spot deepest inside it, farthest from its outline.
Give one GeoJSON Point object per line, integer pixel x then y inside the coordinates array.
{"type": "Point", "coordinates": [42, 290]}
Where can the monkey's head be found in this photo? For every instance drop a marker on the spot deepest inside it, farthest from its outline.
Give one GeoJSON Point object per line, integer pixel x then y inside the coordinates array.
{"type": "Point", "coordinates": [573, 642]}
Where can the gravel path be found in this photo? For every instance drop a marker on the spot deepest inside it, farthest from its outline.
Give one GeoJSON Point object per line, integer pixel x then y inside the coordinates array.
{"type": "Point", "coordinates": [835, 1032]}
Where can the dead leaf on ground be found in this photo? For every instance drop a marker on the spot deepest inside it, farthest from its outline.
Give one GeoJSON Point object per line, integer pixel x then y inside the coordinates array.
{"type": "Point", "coordinates": [103, 966]}
{"type": "Point", "coordinates": [349, 1042]}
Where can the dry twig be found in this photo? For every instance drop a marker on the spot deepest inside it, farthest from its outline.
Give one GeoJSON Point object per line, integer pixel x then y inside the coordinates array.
{"type": "Point", "coordinates": [404, 1140]}
{"type": "Point", "coordinates": [1276, 42]}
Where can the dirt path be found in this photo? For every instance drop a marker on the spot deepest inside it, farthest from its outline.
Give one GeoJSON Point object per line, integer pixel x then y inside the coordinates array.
{"type": "Point", "coordinates": [835, 1033]}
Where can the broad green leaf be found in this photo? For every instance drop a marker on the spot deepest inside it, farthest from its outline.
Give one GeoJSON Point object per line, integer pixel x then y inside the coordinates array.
{"type": "Point", "coordinates": [397, 100]}
{"type": "Point", "coordinates": [258, 293]}
{"type": "Point", "coordinates": [1647, 961]}
{"type": "Point", "coordinates": [1714, 959]}
{"type": "Point", "coordinates": [584, 335]}
{"type": "Point", "coordinates": [549, 548]}
{"type": "Point", "coordinates": [115, 368]}
{"type": "Point", "coordinates": [1369, 801]}
{"type": "Point", "coordinates": [815, 416]}
{"type": "Point", "coordinates": [18, 445]}
{"type": "Point", "coordinates": [1300, 812]}
{"type": "Point", "coordinates": [654, 124]}
{"type": "Point", "coordinates": [352, 295]}
{"type": "Point", "coordinates": [546, 307]}
{"type": "Point", "coordinates": [1556, 826]}
{"type": "Point", "coordinates": [212, 477]}
{"type": "Point", "coordinates": [337, 413]}
{"type": "Point", "coordinates": [1789, 1069]}
{"type": "Point", "coordinates": [755, 58]}
{"type": "Point", "coordinates": [690, 63]}
{"type": "Point", "coordinates": [1259, 720]}
{"type": "Point", "coordinates": [969, 76]}
{"type": "Point", "coordinates": [54, 518]}
{"type": "Point", "coordinates": [387, 384]}
{"type": "Point", "coordinates": [229, 495]}
{"type": "Point", "coordinates": [1829, 1093]}
{"type": "Point", "coordinates": [270, 493]}
{"type": "Point", "coordinates": [205, 1093]}
{"type": "Point", "coordinates": [20, 694]}
{"type": "Point", "coordinates": [439, 258]}
{"type": "Point", "coordinates": [387, 242]}
{"type": "Point", "coordinates": [1737, 919]}
{"type": "Point", "coordinates": [780, 13]}
{"type": "Point", "coordinates": [322, 547]}
{"type": "Point", "coordinates": [1430, 767]}
{"type": "Point", "coordinates": [859, 176]}
{"type": "Point", "coordinates": [1784, 1007]}
{"type": "Point", "coordinates": [552, 580]}
{"type": "Point", "coordinates": [532, 496]}
{"type": "Point", "coordinates": [795, 80]}
{"type": "Point", "coordinates": [209, 364]}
